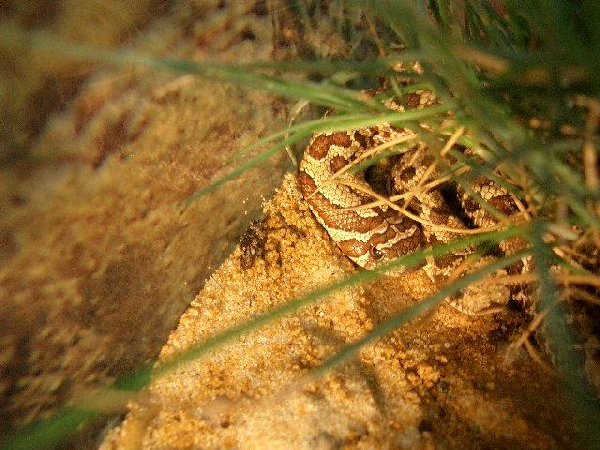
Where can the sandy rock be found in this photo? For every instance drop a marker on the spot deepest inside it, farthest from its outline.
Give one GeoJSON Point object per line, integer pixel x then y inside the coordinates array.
{"type": "Point", "coordinates": [99, 254]}
{"type": "Point", "coordinates": [419, 387]}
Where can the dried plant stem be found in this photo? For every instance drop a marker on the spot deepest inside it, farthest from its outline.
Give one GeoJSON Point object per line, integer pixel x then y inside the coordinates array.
{"type": "Point", "coordinates": [384, 200]}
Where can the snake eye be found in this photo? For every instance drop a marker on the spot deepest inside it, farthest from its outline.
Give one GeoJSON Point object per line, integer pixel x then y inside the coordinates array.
{"type": "Point", "coordinates": [377, 254]}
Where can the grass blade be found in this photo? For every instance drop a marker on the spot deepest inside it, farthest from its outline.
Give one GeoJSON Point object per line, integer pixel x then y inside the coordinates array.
{"type": "Point", "coordinates": [584, 406]}
{"type": "Point", "coordinates": [395, 322]}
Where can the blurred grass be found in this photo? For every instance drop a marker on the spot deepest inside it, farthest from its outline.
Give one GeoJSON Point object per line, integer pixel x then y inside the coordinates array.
{"type": "Point", "coordinates": [522, 77]}
{"type": "Point", "coordinates": [30, 88]}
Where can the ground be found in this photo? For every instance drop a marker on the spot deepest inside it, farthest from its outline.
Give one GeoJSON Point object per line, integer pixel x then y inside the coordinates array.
{"type": "Point", "coordinates": [100, 256]}
{"type": "Point", "coordinates": [440, 382]}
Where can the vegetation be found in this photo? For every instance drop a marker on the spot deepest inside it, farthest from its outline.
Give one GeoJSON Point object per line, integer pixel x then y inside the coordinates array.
{"type": "Point", "coordinates": [521, 77]}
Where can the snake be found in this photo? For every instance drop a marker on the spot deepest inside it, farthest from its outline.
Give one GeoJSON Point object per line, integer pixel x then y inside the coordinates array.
{"type": "Point", "coordinates": [373, 233]}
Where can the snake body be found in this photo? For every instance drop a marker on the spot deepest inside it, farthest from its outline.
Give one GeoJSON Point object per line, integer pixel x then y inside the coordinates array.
{"type": "Point", "coordinates": [374, 235]}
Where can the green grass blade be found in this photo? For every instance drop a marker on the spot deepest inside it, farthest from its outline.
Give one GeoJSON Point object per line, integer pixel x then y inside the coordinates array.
{"type": "Point", "coordinates": [334, 123]}
{"type": "Point", "coordinates": [395, 322]}
{"type": "Point", "coordinates": [49, 433]}
{"type": "Point", "coordinates": [317, 93]}
{"type": "Point", "coordinates": [584, 405]}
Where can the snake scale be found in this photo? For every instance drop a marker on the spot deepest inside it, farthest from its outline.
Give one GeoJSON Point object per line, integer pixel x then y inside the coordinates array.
{"type": "Point", "coordinates": [371, 235]}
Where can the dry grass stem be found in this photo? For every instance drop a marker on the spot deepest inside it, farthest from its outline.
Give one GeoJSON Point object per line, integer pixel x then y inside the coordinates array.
{"type": "Point", "coordinates": [584, 295]}
{"type": "Point", "coordinates": [416, 218]}
{"type": "Point", "coordinates": [590, 156]}
{"type": "Point", "coordinates": [523, 340]}
{"type": "Point", "coordinates": [526, 278]}
{"type": "Point", "coordinates": [462, 267]}
{"type": "Point", "coordinates": [508, 280]}
{"type": "Point", "coordinates": [372, 152]}
{"type": "Point", "coordinates": [296, 110]}
{"type": "Point", "coordinates": [431, 168]}
{"type": "Point", "coordinates": [487, 61]}
{"type": "Point", "coordinates": [533, 354]}
{"type": "Point", "coordinates": [466, 231]}
{"type": "Point", "coordinates": [585, 279]}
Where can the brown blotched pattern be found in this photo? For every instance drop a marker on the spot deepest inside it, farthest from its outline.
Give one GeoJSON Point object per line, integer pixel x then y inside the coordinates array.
{"type": "Point", "coordinates": [375, 235]}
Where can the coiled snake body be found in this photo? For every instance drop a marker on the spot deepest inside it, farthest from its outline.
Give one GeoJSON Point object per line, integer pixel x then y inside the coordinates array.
{"type": "Point", "coordinates": [373, 235]}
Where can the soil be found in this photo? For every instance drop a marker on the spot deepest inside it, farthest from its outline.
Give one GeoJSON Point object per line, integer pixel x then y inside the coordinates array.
{"type": "Point", "coordinates": [441, 381]}
{"type": "Point", "coordinates": [101, 255]}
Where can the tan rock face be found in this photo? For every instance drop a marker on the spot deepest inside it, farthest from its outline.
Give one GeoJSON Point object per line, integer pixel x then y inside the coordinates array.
{"type": "Point", "coordinates": [99, 256]}
{"type": "Point", "coordinates": [435, 380]}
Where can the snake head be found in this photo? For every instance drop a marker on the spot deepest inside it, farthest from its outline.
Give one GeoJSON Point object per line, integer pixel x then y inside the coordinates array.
{"type": "Point", "coordinates": [378, 255]}
{"type": "Point", "coordinates": [367, 255]}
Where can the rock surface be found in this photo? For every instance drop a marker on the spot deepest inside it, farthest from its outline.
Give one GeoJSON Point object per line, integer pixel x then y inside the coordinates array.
{"type": "Point", "coordinates": [438, 382]}
{"type": "Point", "coordinates": [98, 255]}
